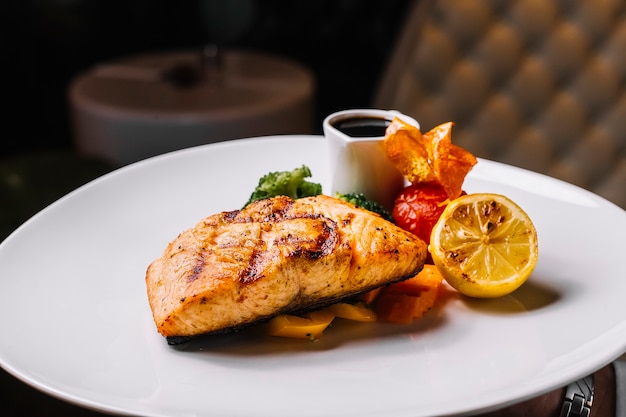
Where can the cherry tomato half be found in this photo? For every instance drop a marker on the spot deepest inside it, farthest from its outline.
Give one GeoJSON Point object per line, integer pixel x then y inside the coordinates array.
{"type": "Point", "coordinates": [418, 207]}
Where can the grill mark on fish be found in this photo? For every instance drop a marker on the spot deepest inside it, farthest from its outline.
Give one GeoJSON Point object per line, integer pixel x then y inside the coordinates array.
{"type": "Point", "coordinates": [230, 216]}
{"type": "Point", "coordinates": [293, 245]}
{"type": "Point", "coordinates": [266, 213]}
{"type": "Point", "coordinates": [252, 271]}
{"type": "Point", "coordinates": [322, 246]}
{"type": "Point", "coordinates": [198, 268]}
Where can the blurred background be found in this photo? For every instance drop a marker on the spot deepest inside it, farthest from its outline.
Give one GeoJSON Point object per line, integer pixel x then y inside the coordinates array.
{"type": "Point", "coordinates": [46, 43]}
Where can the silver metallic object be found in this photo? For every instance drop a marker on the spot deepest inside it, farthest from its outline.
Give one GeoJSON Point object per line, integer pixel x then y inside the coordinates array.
{"type": "Point", "coordinates": [578, 398]}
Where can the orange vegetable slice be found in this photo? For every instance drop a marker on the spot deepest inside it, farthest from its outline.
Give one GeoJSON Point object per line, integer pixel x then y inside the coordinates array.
{"type": "Point", "coordinates": [354, 312]}
{"type": "Point", "coordinates": [310, 326]}
{"type": "Point", "coordinates": [408, 300]}
{"type": "Point", "coordinates": [369, 297]}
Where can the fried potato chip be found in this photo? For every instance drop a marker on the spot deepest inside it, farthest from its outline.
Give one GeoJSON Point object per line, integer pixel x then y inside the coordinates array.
{"type": "Point", "coordinates": [407, 150]}
{"type": "Point", "coordinates": [430, 157]}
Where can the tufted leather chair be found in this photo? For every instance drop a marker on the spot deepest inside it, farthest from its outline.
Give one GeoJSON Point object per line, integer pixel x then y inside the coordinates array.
{"type": "Point", "coordinates": [538, 84]}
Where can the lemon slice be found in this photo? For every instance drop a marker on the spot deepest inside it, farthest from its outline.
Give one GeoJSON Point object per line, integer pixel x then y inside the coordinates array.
{"type": "Point", "coordinates": [485, 245]}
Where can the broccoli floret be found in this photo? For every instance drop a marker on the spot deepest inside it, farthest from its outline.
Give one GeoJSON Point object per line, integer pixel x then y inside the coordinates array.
{"type": "Point", "coordinates": [289, 183]}
{"type": "Point", "coordinates": [359, 200]}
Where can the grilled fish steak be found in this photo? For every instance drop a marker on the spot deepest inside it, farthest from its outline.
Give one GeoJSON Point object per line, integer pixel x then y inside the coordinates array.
{"type": "Point", "coordinates": [275, 256]}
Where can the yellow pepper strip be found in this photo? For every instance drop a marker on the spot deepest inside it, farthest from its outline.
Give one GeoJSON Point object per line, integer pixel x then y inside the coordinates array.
{"type": "Point", "coordinates": [311, 326]}
{"type": "Point", "coordinates": [354, 312]}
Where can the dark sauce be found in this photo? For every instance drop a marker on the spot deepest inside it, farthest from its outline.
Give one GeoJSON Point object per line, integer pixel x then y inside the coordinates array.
{"type": "Point", "coordinates": [362, 127]}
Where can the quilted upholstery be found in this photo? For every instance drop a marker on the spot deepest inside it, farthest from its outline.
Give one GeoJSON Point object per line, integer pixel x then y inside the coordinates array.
{"type": "Point", "coordinates": [533, 83]}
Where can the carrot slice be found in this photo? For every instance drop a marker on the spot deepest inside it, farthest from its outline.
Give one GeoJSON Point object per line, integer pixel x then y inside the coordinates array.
{"type": "Point", "coordinates": [369, 297]}
{"type": "Point", "coordinates": [408, 300]}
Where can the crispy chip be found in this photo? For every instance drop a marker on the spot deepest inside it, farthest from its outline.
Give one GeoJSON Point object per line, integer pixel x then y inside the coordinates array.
{"type": "Point", "coordinates": [429, 157]}
{"type": "Point", "coordinates": [407, 150]}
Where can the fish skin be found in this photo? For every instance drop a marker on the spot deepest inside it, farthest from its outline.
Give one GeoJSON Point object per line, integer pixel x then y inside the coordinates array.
{"type": "Point", "coordinates": [275, 256]}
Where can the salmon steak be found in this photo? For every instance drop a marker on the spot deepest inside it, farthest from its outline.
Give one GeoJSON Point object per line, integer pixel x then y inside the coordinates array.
{"type": "Point", "coordinates": [273, 257]}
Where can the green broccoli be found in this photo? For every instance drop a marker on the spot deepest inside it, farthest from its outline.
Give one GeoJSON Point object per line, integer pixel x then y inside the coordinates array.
{"type": "Point", "coordinates": [289, 183]}
{"type": "Point", "coordinates": [359, 200]}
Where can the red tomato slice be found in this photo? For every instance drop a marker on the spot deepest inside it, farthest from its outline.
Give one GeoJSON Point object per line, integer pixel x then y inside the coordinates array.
{"type": "Point", "coordinates": [418, 207]}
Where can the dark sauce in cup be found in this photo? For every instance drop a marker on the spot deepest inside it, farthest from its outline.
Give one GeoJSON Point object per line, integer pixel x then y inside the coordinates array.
{"type": "Point", "coordinates": [362, 127]}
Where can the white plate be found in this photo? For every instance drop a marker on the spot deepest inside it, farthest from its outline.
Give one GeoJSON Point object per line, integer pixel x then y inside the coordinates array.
{"type": "Point", "coordinates": [76, 322]}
